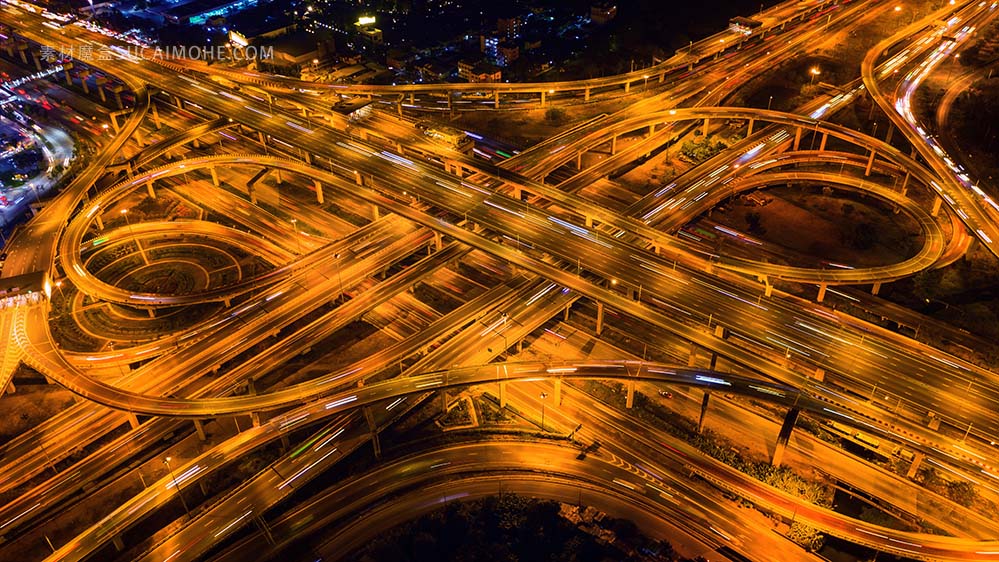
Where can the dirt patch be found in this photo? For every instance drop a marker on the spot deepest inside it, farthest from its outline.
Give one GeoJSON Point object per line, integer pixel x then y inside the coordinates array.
{"type": "Point", "coordinates": [30, 406]}
{"type": "Point", "coordinates": [815, 227]}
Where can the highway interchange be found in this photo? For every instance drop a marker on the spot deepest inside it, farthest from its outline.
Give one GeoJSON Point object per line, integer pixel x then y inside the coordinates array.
{"type": "Point", "coordinates": [558, 249]}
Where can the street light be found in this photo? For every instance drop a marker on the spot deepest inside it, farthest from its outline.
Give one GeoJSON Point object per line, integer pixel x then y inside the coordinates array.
{"type": "Point", "coordinates": [770, 101]}
{"type": "Point", "coordinates": [543, 395]}
{"type": "Point", "coordinates": [339, 279]}
{"type": "Point", "coordinates": [646, 76]}
{"type": "Point", "coordinates": [176, 484]}
{"type": "Point", "coordinates": [298, 242]}
{"type": "Point", "coordinates": [814, 71]}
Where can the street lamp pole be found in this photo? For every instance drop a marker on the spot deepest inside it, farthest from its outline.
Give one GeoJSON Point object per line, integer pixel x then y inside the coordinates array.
{"type": "Point", "coordinates": [176, 484]}
{"type": "Point", "coordinates": [339, 279]}
{"type": "Point", "coordinates": [298, 242]}
{"type": "Point", "coordinates": [543, 395]}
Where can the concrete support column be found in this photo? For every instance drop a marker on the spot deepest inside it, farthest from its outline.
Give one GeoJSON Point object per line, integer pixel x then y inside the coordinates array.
{"type": "Point", "coordinates": [133, 420]}
{"type": "Point", "coordinates": [277, 176]}
{"type": "Point", "coordinates": [502, 394]}
{"type": "Point", "coordinates": [542, 98]}
{"type": "Point", "coordinates": [565, 315]}
{"type": "Point", "coordinates": [374, 212]}
{"type": "Point", "coordinates": [558, 392]}
{"type": "Point", "coordinates": [870, 163]}
{"type": "Point", "coordinates": [261, 138]}
{"type": "Point", "coordinates": [373, 428]}
{"type": "Point", "coordinates": [100, 222]}
{"type": "Point", "coordinates": [905, 183]}
{"type": "Point", "coordinates": [797, 138]}
{"type": "Point", "coordinates": [937, 203]}
{"type": "Point", "coordinates": [37, 61]}
{"type": "Point", "coordinates": [916, 461]}
{"type": "Point", "coordinates": [600, 318]}
{"type": "Point", "coordinates": [785, 433]}
{"type": "Point", "coordinates": [652, 129]}
{"type": "Point", "coordinates": [822, 292]}
{"type": "Point", "coordinates": [151, 191]}
{"type": "Point", "coordinates": [586, 94]}
{"type": "Point", "coordinates": [704, 410]}
{"type": "Point", "coordinates": [119, 544]}
{"type": "Point", "coordinates": [66, 68]}
{"type": "Point", "coordinates": [308, 157]}
{"type": "Point", "coordinates": [614, 145]}
{"type": "Point", "coordinates": [516, 191]}
{"type": "Point", "coordinates": [629, 401]}
{"type": "Point", "coordinates": [319, 191]}
{"type": "Point", "coordinates": [749, 131]}
{"type": "Point", "coordinates": [357, 178]}
{"type": "Point", "coordinates": [83, 75]}
{"type": "Point", "coordinates": [876, 288]}
{"type": "Point", "coordinates": [692, 359]}
{"type": "Point", "coordinates": [822, 143]}
{"type": "Point", "coordinates": [196, 143]}
{"type": "Point", "coordinates": [496, 99]}
{"type": "Point", "coordinates": [215, 176]}
{"type": "Point", "coordinates": [627, 87]}
{"type": "Point", "coordinates": [891, 131]}
{"type": "Point", "coordinates": [589, 221]}
{"type": "Point", "coordinates": [114, 122]}
{"type": "Point", "coordinates": [579, 160]}
{"type": "Point", "coordinates": [704, 127]}
{"type": "Point", "coordinates": [21, 48]}
{"type": "Point", "coordinates": [438, 241]}
{"type": "Point", "coordinates": [199, 428]}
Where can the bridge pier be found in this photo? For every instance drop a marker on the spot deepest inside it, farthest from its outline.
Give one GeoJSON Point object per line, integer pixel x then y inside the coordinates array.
{"type": "Point", "coordinates": [119, 545]}
{"type": "Point", "coordinates": [542, 98]}
{"type": "Point", "coordinates": [133, 420]}
{"type": "Point", "coordinates": [357, 178]}
{"type": "Point", "coordinates": [586, 94]}
{"type": "Point", "coordinates": [704, 410]}
{"type": "Point", "coordinates": [319, 191]}
{"type": "Point", "coordinates": [916, 461]}
{"type": "Point", "coordinates": [785, 433]}
{"type": "Point", "coordinates": [83, 74]}
{"type": "Point", "coordinates": [496, 99]}
{"type": "Point", "coordinates": [373, 428]}
{"type": "Point", "coordinates": [600, 318]}
{"type": "Point", "coordinates": [704, 127]}
{"type": "Point", "coordinates": [652, 130]}
{"type": "Point", "coordinates": [152, 192]}
{"type": "Point", "coordinates": [822, 292]}
{"type": "Point", "coordinates": [589, 221]}
{"type": "Point", "coordinates": [21, 48]}
{"type": "Point", "coordinates": [100, 222]}
{"type": "Point", "coordinates": [438, 241]}
{"type": "Point", "coordinates": [100, 81]}
{"type": "Point", "coordinates": [627, 87]}
{"type": "Point", "coordinates": [613, 145]}
{"type": "Point", "coordinates": [558, 393]}
{"type": "Point", "coordinates": [876, 288]}
{"type": "Point", "coordinates": [891, 131]}
{"type": "Point", "coordinates": [66, 68]}
{"type": "Point", "coordinates": [196, 143]}
{"type": "Point", "coordinates": [374, 212]}
{"type": "Point", "coordinates": [797, 138]}
{"type": "Point", "coordinates": [692, 359]}
{"type": "Point", "coordinates": [114, 122]}
{"type": "Point", "coordinates": [629, 400]}
{"type": "Point", "coordinates": [749, 131]}
{"type": "Point", "coordinates": [822, 143]}
{"type": "Point", "coordinates": [870, 163]}
{"type": "Point", "coordinates": [905, 184]}
{"type": "Point", "coordinates": [215, 176]}
{"type": "Point", "coordinates": [199, 428]}
{"type": "Point", "coordinates": [37, 60]}
{"type": "Point", "coordinates": [579, 160]}
{"type": "Point", "coordinates": [277, 176]}
{"type": "Point", "coordinates": [261, 138]}
{"type": "Point", "coordinates": [722, 333]}
{"type": "Point", "coordinates": [156, 114]}
{"type": "Point", "coordinates": [937, 203]}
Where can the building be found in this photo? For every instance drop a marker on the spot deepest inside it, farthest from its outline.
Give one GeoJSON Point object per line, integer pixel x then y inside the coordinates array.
{"type": "Point", "coordinates": [199, 11]}
{"type": "Point", "coordinates": [508, 26]}
{"type": "Point", "coordinates": [299, 48]}
{"type": "Point", "coordinates": [365, 28]}
{"type": "Point", "coordinates": [479, 71]}
{"type": "Point", "coordinates": [603, 12]}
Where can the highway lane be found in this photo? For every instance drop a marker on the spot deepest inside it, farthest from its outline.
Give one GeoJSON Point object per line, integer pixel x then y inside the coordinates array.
{"type": "Point", "coordinates": [885, 539]}
{"type": "Point", "coordinates": [716, 303]}
{"type": "Point", "coordinates": [467, 471]}
{"type": "Point", "coordinates": [978, 211]}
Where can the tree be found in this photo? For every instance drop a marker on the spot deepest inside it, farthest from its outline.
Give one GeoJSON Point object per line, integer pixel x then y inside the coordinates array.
{"type": "Point", "coordinates": [555, 115]}
{"type": "Point", "coordinates": [753, 221]}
